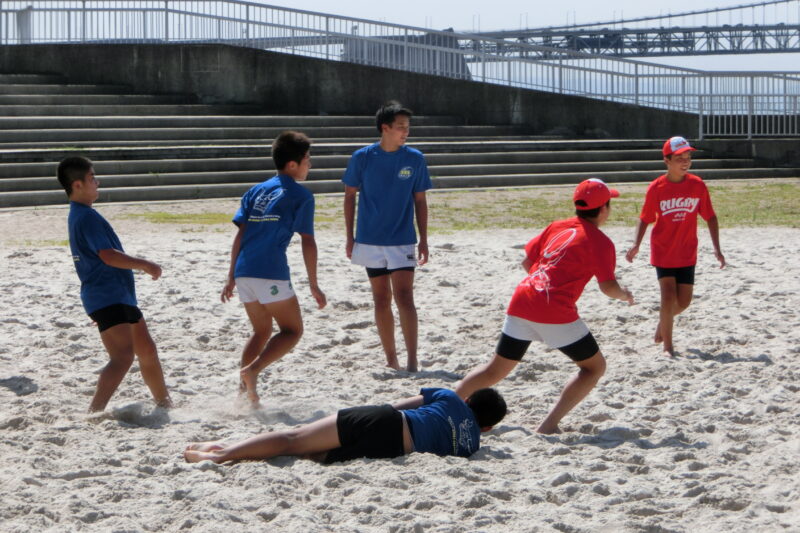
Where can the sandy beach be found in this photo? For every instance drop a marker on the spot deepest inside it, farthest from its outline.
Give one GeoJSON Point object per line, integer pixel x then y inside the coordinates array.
{"type": "Point", "coordinates": [706, 442]}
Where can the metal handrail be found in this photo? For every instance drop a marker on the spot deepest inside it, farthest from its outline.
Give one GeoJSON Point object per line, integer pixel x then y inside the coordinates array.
{"type": "Point", "coordinates": [442, 53]}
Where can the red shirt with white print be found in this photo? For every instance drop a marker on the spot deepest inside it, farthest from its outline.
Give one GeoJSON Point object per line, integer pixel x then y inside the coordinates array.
{"type": "Point", "coordinates": [565, 256]}
{"type": "Point", "coordinates": [674, 208]}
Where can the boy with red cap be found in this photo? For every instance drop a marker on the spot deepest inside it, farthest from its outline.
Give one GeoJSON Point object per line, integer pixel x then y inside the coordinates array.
{"type": "Point", "coordinates": [560, 261]}
{"type": "Point", "coordinates": [673, 202]}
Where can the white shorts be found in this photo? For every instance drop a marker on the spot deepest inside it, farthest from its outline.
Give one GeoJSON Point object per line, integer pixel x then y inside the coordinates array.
{"type": "Point", "coordinates": [264, 291]}
{"type": "Point", "coordinates": [553, 335]}
{"type": "Point", "coordinates": [389, 257]}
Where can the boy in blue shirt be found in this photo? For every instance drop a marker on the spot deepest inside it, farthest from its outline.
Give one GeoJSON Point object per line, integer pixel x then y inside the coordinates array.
{"type": "Point", "coordinates": [269, 215]}
{"type": "Point", "coordinates": [435, 421]}
{"type": "Point", "coordinates": [107, 288]}
{"type": "Point", "coordinates": [390, 180]}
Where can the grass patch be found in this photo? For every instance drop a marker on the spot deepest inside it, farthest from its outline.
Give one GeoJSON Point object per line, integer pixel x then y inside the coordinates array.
{"type": "Point", "coordinates": [162, 217]}
{"type": "Point", "coordinates": [45, 243]}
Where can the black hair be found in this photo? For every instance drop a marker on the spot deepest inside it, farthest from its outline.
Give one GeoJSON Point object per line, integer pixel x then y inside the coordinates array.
{"type": "Point", "coordinates": [588, 213]}
{"type": "Point", "coordinates": [488, 406]}
{"type": "Point", "coordinates": [289, 146]}
{"type": "Point", "coordinates": [388, 112]}
{"type": "Point", "coordinates": [73, 169]}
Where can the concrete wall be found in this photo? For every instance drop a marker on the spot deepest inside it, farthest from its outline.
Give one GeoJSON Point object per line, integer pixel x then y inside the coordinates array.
{"type": "Point", "coordinates": [288, 84]}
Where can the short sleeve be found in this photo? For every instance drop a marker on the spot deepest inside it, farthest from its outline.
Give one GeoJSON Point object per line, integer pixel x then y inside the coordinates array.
{"type": "Point", "coordinates": [304, 217]}
{"type": "Point", "coordinates": [243, 213]}
{"type": "Point", "coordinates": [353, 175]}
{"type": "Point", "coordinates": [96, 232]}
{"type": "Point", "coordinates": [607, 261]}
{"type": "Point", "coordinates": [706, 209]}
{"type": "Point", "coordinates": [423, 181]}
{"type": "Point", "coordinates": [649, 212]}
{"type": "Point", "coordinates": [429, 395]}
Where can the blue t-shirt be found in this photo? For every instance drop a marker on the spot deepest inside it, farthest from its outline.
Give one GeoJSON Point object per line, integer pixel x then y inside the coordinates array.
{"type": "Point", "coordinates": [101, 285]}
{"type": "Point", "coordinates": [273, 211]}
{"type": "Point", "coordinates": [387, 182]}
{"type": "Point", "coordinates": [444, 424]}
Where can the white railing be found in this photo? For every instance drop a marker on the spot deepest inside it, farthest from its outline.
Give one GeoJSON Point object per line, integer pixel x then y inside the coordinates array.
{"type": "Point", "coordinates": [728, 103]}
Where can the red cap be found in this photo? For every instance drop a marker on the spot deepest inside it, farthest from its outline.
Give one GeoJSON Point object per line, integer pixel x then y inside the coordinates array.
{"type": "Point", "coordinates": [594, 192]}
{"type": "Point", "coordinates": [675, 146]}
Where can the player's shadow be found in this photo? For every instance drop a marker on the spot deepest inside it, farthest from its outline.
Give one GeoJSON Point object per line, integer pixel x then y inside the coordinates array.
{"type": "Point", "coordinates": [440, 375]}
{"type": "Point", "coordinates": [19, 385]}
{"type": "Point", "coordinates": [726, 357]}
{"type": "Point", "coordinates": [276, 416]}
{"type": "Point", "coordinates": [616, 436]}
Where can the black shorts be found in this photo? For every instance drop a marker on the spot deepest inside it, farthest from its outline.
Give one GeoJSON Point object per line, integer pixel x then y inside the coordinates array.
{"type": "Point", "coordinates": [514, 349]}
{"type": "Point", "coordinates": [683, 275]}
{"type": "Point", "coordinates": [116, 314]}
{"type": "Point", "coordinates": [378, 272]}
{"type": "Point", "coordinates": [372, 431]}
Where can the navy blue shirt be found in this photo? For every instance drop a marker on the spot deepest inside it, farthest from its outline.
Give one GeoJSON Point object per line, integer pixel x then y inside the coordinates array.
{"type": "Point", "coordinates": [444, 424]}
{"type": "Point", "coordinates": [272, 211]}
{"type": "Point", "coordinates": [387, 182]}
{"type": "Point", "coordinates": [101, 285]}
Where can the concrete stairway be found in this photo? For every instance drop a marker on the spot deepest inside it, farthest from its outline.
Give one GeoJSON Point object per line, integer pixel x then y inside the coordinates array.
{"type": "Point", "coordinates": [169, 147]}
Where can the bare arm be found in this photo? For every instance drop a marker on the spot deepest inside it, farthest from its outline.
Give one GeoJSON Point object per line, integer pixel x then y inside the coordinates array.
{"type": "Point", "coordinates": [310, 259]}
{"type": "Point", "coordinates": [118, 259]}
{"type": "Point", "coordinates": [421, 210]}
{"type": "Point", "coordinates": [641, 228]}
{"type": "Point", "coordinates": [349, 217]}
{"type": "Point", "coordinates": [227, 290]}
{"type": "Point", "coordinates": [612, 289]}
{"type": "Point", "coordinates": [409, 403]}
{"type": "Point", "coordinates": [713, 229]}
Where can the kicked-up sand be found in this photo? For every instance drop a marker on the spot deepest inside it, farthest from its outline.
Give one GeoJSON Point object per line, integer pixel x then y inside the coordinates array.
{"type": "Point", "coordinates": [706, 442]}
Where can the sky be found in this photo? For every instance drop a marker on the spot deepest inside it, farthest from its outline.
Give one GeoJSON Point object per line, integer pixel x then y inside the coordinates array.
{"type": "Point", "coordinates": [473, 15]}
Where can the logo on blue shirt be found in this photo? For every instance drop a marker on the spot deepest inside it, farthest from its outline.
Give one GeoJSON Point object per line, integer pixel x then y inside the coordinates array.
{"type": "Point", "coordinates": [267, 199]}
{"type": "Point", "coordinates": [405, 173]}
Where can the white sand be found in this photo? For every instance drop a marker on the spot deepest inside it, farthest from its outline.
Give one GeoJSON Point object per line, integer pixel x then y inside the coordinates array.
{"type": "Point", "coordinates": [709, 441]}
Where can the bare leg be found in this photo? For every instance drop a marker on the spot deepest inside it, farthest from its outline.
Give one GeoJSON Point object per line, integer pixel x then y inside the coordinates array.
{"type": "Point", "coordinates": [485, 375]}
{"type": "Point", "coordinates": [287, 314]}
{"type": "Point", "coordinates": [319, 436]}
{"type": "Point", "coordinates": [675, 298]}
{"type": "Point", "coordinates": [384, 319]}
{"type": "Point", "coordinates": [589, 373]}
{"type": "Point", "coordinates": [261, 321]}
{"type": "Point", "coordinates": [403, 289]}
{"type": "Point", "coordinates": [118, 341]}
{"type": "Point", "coordinates": [149, 364]}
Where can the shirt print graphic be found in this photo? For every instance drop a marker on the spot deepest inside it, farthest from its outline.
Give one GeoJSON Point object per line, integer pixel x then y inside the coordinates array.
{"type": "Point", "coordinates": [405, 173]}
{"type": "Point", "coordinates": [264, 204]}
{"type": "Point", "coordinates": [464, 437]}
{"type": "Point", "coordinates": [553, 252]}
{"type": "Point", "coordinates": [680, 207]}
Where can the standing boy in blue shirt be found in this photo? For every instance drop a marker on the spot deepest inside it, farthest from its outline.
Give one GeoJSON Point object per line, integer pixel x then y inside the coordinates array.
{"type": "Point", "coordinates": [269, 215]}
{"type": "Point", "coordinates": [390, 180]}
{"type": "Point", "coordinates": [435, 421]}
{"type": "Point", "coordinates": [107, 288]}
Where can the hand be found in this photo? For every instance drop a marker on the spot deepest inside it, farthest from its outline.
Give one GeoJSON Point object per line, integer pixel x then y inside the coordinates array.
{"type": "Point", "coordinates": [153, 269]}
{"type": "Point", "coordinates": [632, 253]}
{"type": "Point", "coordinates": [422, 248]}
{"type": "Point", "coordinates": [720, 258]}
{"type": "Point", "coordinates": [227, 290]}
{"type": "Point", "coordinates": [319, 296]}
{"type": "Point", "coordinates": [348, 248]}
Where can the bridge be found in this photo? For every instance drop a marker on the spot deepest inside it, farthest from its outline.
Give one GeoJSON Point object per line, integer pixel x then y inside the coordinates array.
{"type": "Point", "coordinates": [764, 27]}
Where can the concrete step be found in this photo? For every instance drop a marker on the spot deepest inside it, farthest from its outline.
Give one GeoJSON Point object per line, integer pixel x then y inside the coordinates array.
{"type": "Point", "coordinates": [95, 99]}
{"type": "Point", "coordinates": [126, 110]}
{"type": "Point", "coordinates": [31, 78]}
{"type": "Point", "coordinates": [200, 135]}
{"type": "Point", "coordinates": [533, 146]}
{"type": "Point", "coordinates": [209, 121]}
{"type": "Point", "coordinates": [42, 89]}
{"type": "Point", "coordinates": [193, 192]}
{"type": "Point", "coordinates": [333, 166]}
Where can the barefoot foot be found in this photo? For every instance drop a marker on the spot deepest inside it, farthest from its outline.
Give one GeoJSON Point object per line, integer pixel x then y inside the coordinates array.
{"type": "Point", "coordinates": [250, 380]}
{"type": "Point", "coordinates": [544, 430]}
{"type": "Point", "coordinates": [208, 446]}
{"type": "Point", "coordinates": [412, 365]}
{"type": "Point", "coordinates": [195, 456]}
{"type": "Point", "coordinates": [392, 362]}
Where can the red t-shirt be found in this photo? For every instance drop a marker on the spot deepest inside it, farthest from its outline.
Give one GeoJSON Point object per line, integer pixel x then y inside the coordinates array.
{"type": "Point", "coordinates": [674, 208]}
{"type": "Point", "coordinates": [565, 256]}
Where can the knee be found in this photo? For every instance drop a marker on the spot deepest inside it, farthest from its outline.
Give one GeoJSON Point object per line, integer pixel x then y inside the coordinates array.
{"type": "Point", "coordinates": [404, 298]}
{"type": "Point", "coordinates": [122, 360]}
{"type": "Point", "coordinates": [295, 331]}
{"type": "Point", "coordinates": [382, 300]}
{"type": "Point", "coordinates": [595, 366]}
{"type": "Point", "coordinates": [682, 304]}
